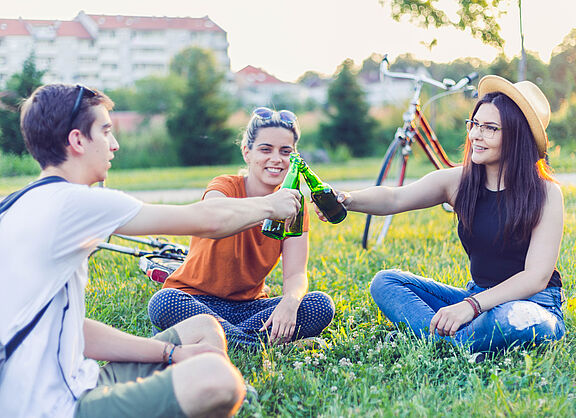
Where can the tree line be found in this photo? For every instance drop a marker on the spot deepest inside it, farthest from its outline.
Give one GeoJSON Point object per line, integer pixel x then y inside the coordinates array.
{"type": "Point", "coordinates": [197, 108]}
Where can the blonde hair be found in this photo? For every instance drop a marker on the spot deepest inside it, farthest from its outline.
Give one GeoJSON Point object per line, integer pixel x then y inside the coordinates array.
{"type": "Point", "coordinates": [256, 123]}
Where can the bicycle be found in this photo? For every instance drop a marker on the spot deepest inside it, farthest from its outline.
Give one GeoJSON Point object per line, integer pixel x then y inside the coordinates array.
{"type": "Point", "coordinates": [415, 130]}
{"type": "Point", "coordinates": [157, 263]}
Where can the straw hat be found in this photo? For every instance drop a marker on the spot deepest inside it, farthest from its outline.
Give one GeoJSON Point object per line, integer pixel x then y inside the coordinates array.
{"type": "Point", "coordinates": [529, 99]}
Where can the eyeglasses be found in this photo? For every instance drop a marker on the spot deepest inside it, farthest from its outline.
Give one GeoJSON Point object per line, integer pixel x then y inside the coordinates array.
{"type": "Point", "coordinates": [265, 113]}
{"type": "Point", "coordinates": [487, 131]}
{"type": "Point", "coordinates": [83, 91]}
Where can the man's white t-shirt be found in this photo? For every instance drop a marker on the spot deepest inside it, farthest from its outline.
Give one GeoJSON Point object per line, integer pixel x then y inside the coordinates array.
{"type": "Point", "coordinates": [45, 239]}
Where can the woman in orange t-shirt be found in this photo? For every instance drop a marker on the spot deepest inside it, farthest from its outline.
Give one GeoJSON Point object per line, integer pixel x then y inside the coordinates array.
{"type": "Point", "coordinates": [225, 277]}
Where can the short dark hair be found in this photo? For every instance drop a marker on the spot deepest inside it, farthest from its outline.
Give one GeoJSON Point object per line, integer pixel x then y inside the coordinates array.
{"type": "Point", "coordinates": [45, 120]}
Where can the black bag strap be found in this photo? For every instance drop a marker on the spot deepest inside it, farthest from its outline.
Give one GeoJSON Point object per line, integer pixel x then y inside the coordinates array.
{"type": "Point", "coordinates": [17, 339]}
{"type": "Point", "coordinates": [12, 198]}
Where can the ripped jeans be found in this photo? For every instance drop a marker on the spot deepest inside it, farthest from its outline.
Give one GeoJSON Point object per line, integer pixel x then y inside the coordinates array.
{"type": "Point", "coordinates": [407, 298]}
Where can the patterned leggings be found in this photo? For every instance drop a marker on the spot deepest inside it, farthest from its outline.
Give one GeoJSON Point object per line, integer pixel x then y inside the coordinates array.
{"type": "Point", "coordinates": [240, 320]}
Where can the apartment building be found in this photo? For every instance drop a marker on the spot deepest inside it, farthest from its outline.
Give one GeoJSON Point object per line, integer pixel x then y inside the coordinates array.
{"type": "Point", "coordinates": [105, 51]}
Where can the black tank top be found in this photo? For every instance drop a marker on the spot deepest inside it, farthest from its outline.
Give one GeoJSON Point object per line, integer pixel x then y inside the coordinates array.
{"type": "Point", "coordinates": [491, 259]}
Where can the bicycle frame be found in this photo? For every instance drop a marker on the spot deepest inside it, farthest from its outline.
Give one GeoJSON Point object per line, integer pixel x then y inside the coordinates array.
{"type": "Point", "coordinates": [416, 127]}
{"type": "Point", "coordinates": [157, 263]}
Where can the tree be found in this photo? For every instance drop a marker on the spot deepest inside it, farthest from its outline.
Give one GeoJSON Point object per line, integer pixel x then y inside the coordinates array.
{"type": "Point", "coordinates": [312, 79]}
{"type": "Point", "coordinates": [18, 87]}
{"type": "Point", "coordinates": [349, 122]}
{"type": "Point", "coordinates": [478, 16]}
{"type": "Point", "coordinates": [563, 70]}
{"type": "Point", "coordinates": [370, 70]}
{"type": "Point", "coordinates": [197, 124]}
{"type": "Point", "coordinates": [155, 95]}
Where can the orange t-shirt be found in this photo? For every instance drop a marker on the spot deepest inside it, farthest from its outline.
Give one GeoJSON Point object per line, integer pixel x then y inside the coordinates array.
{"type": "Point", "coordinates": [234, 267]}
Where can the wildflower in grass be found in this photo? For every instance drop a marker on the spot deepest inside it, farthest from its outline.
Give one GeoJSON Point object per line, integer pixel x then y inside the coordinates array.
{"type": "Point", "coordinates": [315, 362]}
{"type": "Point", "coordinates": [571, 305]}
{"type": "Point", "coordinates": [352, 375]}
{"type": "Point", "coordinates": [307, 360]}
{"type": "Point", "coordinates": [267, 365]}
{"type": "Point", "coordinates": [345, 362]}
{"type": "Point", "coordinates": [297, 365]}
{"type": "Point", "coordinates": [355, 334]}
{"type": "Point", "coordinates": [333, 389]}
{"type": "Point", "coordinates": [507, 361]}
{"type": "Point", "coordinates": [373, 389]}
{"type": "Point", "coordinates": [356, 347]}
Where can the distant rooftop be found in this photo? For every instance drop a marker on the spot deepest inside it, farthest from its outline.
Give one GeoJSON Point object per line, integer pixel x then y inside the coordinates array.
{"type": "Point", "coordinates": [255, 75]}
{"type": "Point", "coordinates": [155, 23]}
{"type": "Point", "coordinates": [74, 28]}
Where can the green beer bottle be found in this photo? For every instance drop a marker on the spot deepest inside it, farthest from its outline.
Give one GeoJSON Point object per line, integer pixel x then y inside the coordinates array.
{"type": "Point", "coordinates": [276, 228]}
{"type": "Point", "coordinates": [323, 196]}
{"type": "Point", "coordinates": [295, 228]}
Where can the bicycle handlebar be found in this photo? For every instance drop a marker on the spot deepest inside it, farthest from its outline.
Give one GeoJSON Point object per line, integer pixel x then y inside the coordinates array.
{"type": "Point", "coordinates": [467, 79]}
{"type": "Point", "coordinates": [384, 71]}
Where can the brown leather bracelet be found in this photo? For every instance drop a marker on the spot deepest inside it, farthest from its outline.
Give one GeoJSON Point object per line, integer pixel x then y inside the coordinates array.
{"type": "Point", "coordinates": [476, 312]}
{"type": "Point", "coordinates": [477, 303]}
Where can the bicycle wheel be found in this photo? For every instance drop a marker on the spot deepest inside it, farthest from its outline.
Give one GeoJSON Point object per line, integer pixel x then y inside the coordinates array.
{"type": "Point", "coordinates": [392, 173]}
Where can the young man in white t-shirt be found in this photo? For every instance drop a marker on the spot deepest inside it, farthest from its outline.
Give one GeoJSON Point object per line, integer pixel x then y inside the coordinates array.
{"type": "Point", "coordinates": [45, 239]}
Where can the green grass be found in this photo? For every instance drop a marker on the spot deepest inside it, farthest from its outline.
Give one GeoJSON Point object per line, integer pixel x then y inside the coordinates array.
{"type": "Point", "coordinates": [359, 374]}
{"type": "Point", "coordinates": [198, 177]}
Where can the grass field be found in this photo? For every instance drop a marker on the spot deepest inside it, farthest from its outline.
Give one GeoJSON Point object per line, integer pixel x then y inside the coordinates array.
{"type": "Point", "coordinates": [360, 374]}
{"type": "Point", "coordinates": [199, 176]}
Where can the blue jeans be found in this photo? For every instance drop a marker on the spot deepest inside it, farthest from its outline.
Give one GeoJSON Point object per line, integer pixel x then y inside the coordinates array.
{"type": "Point", "coordinates": [241, 320]}
{"type": "Point", "coordinates": [407, 298]}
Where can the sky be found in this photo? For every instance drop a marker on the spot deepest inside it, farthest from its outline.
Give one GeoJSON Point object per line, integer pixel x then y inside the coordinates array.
{"type": "Point", "coordinates": [289, 37]}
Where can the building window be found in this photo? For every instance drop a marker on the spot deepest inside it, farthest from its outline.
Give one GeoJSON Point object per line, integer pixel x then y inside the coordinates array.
{"type": "Point", "coordinates": [108, 34]}
{"type": "Point", "coordinates": [86, 60]}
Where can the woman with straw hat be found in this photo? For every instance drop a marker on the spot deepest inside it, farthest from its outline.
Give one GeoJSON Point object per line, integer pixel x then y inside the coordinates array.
{"type": "Point", "coordinates": [510, 220]}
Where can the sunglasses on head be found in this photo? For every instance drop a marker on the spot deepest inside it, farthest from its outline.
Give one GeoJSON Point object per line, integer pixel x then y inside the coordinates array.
{"type": "Point", "coordinates": [265, 113]}
{"type": "Point", "coordinates": [83, 91]}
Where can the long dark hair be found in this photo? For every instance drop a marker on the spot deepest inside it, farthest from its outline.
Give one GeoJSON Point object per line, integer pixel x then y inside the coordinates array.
{"type": "Point", "coordinates": [525, 173]}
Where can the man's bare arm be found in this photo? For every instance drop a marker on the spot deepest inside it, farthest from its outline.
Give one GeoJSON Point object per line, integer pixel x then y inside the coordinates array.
{"type": "Point", "coordinates": [212, 218]}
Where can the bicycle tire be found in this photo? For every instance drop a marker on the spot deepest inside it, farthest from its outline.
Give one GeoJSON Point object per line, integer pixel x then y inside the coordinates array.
{"type": "Point", "coordinates": [393, 171]}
